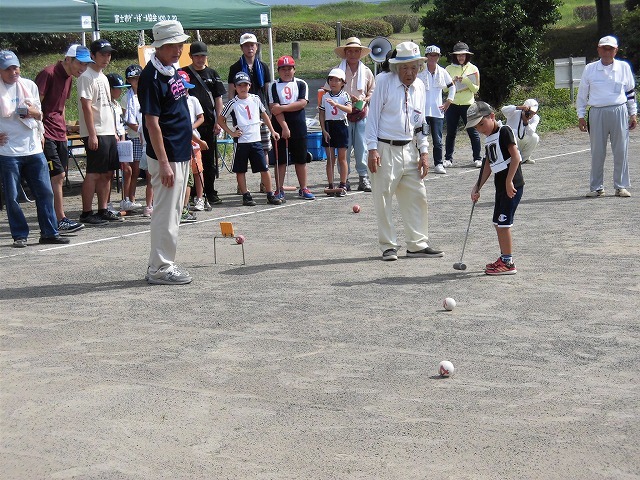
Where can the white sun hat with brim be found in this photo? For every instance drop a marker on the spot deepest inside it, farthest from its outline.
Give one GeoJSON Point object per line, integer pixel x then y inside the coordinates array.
{"type": "Point", "coordinates": [532, 103]}
{"type": "Point", "coordinates": [407, 52]}
{"type": "Point", "coordinates": [168, 31]}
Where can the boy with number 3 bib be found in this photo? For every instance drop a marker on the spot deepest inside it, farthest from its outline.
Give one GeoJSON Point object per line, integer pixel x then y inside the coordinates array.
{"type": "Point", "coordinates": [503, 159]}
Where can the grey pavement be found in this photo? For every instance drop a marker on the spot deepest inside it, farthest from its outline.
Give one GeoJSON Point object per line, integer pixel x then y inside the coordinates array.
{"type": "Point", "coordinates": [317, 360]}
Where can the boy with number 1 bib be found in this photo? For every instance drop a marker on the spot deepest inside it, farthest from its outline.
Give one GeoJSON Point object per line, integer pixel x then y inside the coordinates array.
{"type": "Point", "coordinates": [503, 159]}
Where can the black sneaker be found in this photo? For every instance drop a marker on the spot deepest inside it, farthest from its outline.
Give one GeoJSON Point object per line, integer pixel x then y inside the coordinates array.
{"type": "Point", "coordinates": [92, 219]}
{"type": "Point", "coordinates": [272, 200]}
{"type": "Point", "coordinates": [54, 240]}
{"type": "Point", "coordinates": [426, 252]}
{"type": "Point", "coordinates": [215, 200]}
{"type": "Point", "coordinates": [390, 255]}
{"type": "Point", "coordinates": [110, 216]}
{"type": "Point", "coordinates": [68, 226]}
{"type": "Point", "coordinates": [247, 200]}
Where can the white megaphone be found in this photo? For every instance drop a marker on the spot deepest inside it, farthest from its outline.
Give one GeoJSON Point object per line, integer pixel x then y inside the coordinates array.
{"type": "Point", "coordinates": [379, 46]}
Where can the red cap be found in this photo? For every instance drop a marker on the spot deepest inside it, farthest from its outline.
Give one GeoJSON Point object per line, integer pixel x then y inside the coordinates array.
{"type": "Point", "coordinates": [286, 61]}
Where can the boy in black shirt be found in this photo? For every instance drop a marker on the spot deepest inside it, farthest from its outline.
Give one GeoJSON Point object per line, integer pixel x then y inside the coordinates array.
{"type": "Point", "coordinates": [503, 159]}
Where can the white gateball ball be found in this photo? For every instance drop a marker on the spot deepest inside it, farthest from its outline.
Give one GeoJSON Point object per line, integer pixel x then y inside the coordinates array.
{"type": "Point", "coordinates": [446, 368]}
{"type": "Point", "coordinates": [449, 303]}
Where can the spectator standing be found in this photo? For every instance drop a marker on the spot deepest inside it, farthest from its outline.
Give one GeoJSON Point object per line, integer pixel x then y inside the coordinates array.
{"type": "Point", "coordinates": [21, 154]}
{"type": "Point", "coordinates": [466, 78]}
{"type": "Point", "coordinates": [260, 77]}
{"type": "Point", "coordinates": [436, 79]}
{"type": "Point", "coordinates": [167, 133]}
{"type": "Point", "coordinates": [359, 84]}
{"type": "Point", "coordinates": [334, 107]}
{"type": "Point", "coordinates": [608, 87]}
{"type": "Point", "coordinates": [399, 154]}
{"type": "Point", "coordinates": [209, 90]}
{"type": "Point", "coordinates": [131, 107]}
{"type": "Point", "coordinates": [246, 110]}
{"type": "Point", "coordinates": [287, 99]}
{"type": "Point", "coordinates": [523, 120]}
{"type": "Point", "coordinates": [98, 132]}
{"type": "Point", "coordinates": [54, 84]}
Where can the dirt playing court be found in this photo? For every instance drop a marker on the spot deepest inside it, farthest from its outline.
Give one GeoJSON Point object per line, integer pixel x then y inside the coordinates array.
{"type": "Point", "coordinates": [317, 360]}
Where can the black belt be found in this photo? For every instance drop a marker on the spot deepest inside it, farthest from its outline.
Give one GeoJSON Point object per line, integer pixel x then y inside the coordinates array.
{"type": "Point", "coordinates": [395, 143]}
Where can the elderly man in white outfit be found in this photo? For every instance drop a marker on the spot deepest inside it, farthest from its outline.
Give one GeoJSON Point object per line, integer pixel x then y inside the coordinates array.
{"type": "Point", "coordinates": [398, 154]}
{"type": "Point", "coordinates": [523, 120]}
{"type": "Point", "coordinates": [608, 87]}
{"type": "Point", "coordinates": [436, 79]}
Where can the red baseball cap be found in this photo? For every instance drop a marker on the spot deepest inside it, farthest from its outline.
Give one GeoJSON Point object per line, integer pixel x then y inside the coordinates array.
{"type": "Point", "coordinates": [286, 61]}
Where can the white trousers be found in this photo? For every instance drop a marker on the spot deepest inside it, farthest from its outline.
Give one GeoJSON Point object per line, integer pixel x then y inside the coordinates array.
{"type": "Point", "coordinates": [527, 145]}
{"type": "Point", "coordinates": [609, 122]}
{"type": "Point", "coordinates": [165, 219]}
{"type": "Point", "coordinates": [399, 175]}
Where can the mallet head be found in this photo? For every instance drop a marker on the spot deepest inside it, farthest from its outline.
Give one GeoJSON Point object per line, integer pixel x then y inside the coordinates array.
{"type": "Point", "coordinates": [459, 266]}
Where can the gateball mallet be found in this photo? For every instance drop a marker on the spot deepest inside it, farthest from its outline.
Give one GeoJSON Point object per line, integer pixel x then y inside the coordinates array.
{"type": "Point", "coordinates": [461, 265]}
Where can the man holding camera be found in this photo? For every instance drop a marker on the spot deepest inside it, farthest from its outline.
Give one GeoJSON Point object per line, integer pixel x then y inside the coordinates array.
{"type": "Point", "coordinates": [209, 90]}
{"type": "Point", "coordinates": [523, 120]}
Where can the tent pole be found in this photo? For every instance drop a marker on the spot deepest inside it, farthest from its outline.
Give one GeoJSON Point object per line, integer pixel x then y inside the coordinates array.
{"type": "Point", "coordinates": [96, 32]}
{"type": "Point", "coordinates": [271, 54]}
{"type": "Point", "coordinates": [198, 35]}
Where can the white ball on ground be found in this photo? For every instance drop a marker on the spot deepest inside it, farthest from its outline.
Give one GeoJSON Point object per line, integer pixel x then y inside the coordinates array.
{"type": "Point", "coordinates": [449, 303]}
{"type": "Point", "coordinates": [446, 368]}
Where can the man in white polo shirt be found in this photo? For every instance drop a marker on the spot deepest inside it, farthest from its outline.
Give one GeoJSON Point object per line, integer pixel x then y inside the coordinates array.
{"type": "Point", "coordinates": [608, 87]}
{"type": "Point", "coordinates": [398, 154]}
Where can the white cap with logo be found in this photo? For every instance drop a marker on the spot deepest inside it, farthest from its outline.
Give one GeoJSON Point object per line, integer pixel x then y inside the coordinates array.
{"type": "Point", "coordinates": [608, 41]}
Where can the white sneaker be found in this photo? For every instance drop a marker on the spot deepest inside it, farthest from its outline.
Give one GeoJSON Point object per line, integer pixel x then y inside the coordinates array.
{"type": "Point", "coordinates": [135, 205]}
{"type": "Point", "coordinates": [439, 169]}
{"type": "Point", "coordinates": [478, 163]}
{"type": "Point", "coordinates": [125, 205]}
{"type": "Point", "coordinates": [529, 160]}
{"type": "Point", "coordinates": [147, 211]}
{"type": "Point", "coordinates": [111, 209]}
{"type": "Point", "coordinates": [199, 205]}
{"type": "Point", "coordinates": [622, 192]}
{"type": "Point", "coordinates": [447, 163]}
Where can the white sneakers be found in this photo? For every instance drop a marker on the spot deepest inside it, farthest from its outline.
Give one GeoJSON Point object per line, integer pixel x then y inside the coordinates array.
{"type": "Point", "coordinates": [439, 169]}
{"type": "Point", "coordinates": [199, 204]}
{"type": "Point", "coordinates": [128, 205]}
{"type": "Point", "coordinates": [447, 163]}
{"type": "Point", "coordinates": [477, 163]}
{"type": "Point", "coordinates": [622, 192]}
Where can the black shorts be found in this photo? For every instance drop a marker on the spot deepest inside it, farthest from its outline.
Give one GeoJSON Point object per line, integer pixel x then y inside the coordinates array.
{"type": "Point", "coordinates": [249, 152]}
{"type": "Point", "coordinates": [339, 133]}
{"type": "Point", "coordinates": [105, 159]}
{"type": "Point", "coordinates": [297, 152]}
{"type": "Point", "coordinates": [57, 154]}
{"type": "Point", "coordinates": [505, 208]}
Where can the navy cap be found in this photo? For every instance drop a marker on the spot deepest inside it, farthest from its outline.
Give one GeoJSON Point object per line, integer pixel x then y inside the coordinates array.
{"type": "Point", "coordinates": [116, 81]}
{"type": "Point", "coordinates": [241, 77]}
{"type": "Point", "coordinates": [101, 45]}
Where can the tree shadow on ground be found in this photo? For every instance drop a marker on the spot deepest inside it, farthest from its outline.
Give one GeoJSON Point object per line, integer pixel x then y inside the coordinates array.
{"type": "Point", "coordinates": [69, 289]}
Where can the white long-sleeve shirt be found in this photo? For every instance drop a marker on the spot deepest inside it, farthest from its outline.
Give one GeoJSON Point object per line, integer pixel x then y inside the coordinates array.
{"type": "Point", "coordinates": [606, 85]}
{"type": "Point", "coordinates": [395, 111]}
{"type": "Point", "coordinates": [434, 84]}
{"type": "Point", "coordinates": [514, 120]}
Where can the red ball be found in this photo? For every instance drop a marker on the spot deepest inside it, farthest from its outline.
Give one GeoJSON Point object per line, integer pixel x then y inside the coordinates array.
{"type": "Point", "coordinates": [240, 239]}
{"type": "Point", "coordinates": [356, 209]}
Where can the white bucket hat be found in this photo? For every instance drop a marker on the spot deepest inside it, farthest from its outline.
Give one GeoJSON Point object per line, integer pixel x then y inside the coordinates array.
{"type": "Point", "coordinates": [168, 31]}
{"type": "Point", "coordinates": [407, 52]}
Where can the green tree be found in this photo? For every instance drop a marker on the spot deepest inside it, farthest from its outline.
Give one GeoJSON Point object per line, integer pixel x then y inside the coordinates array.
{"type": "Point", "coordinates": [505, 36]}
{"type": "Point", "coordinates": [605, 20]}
